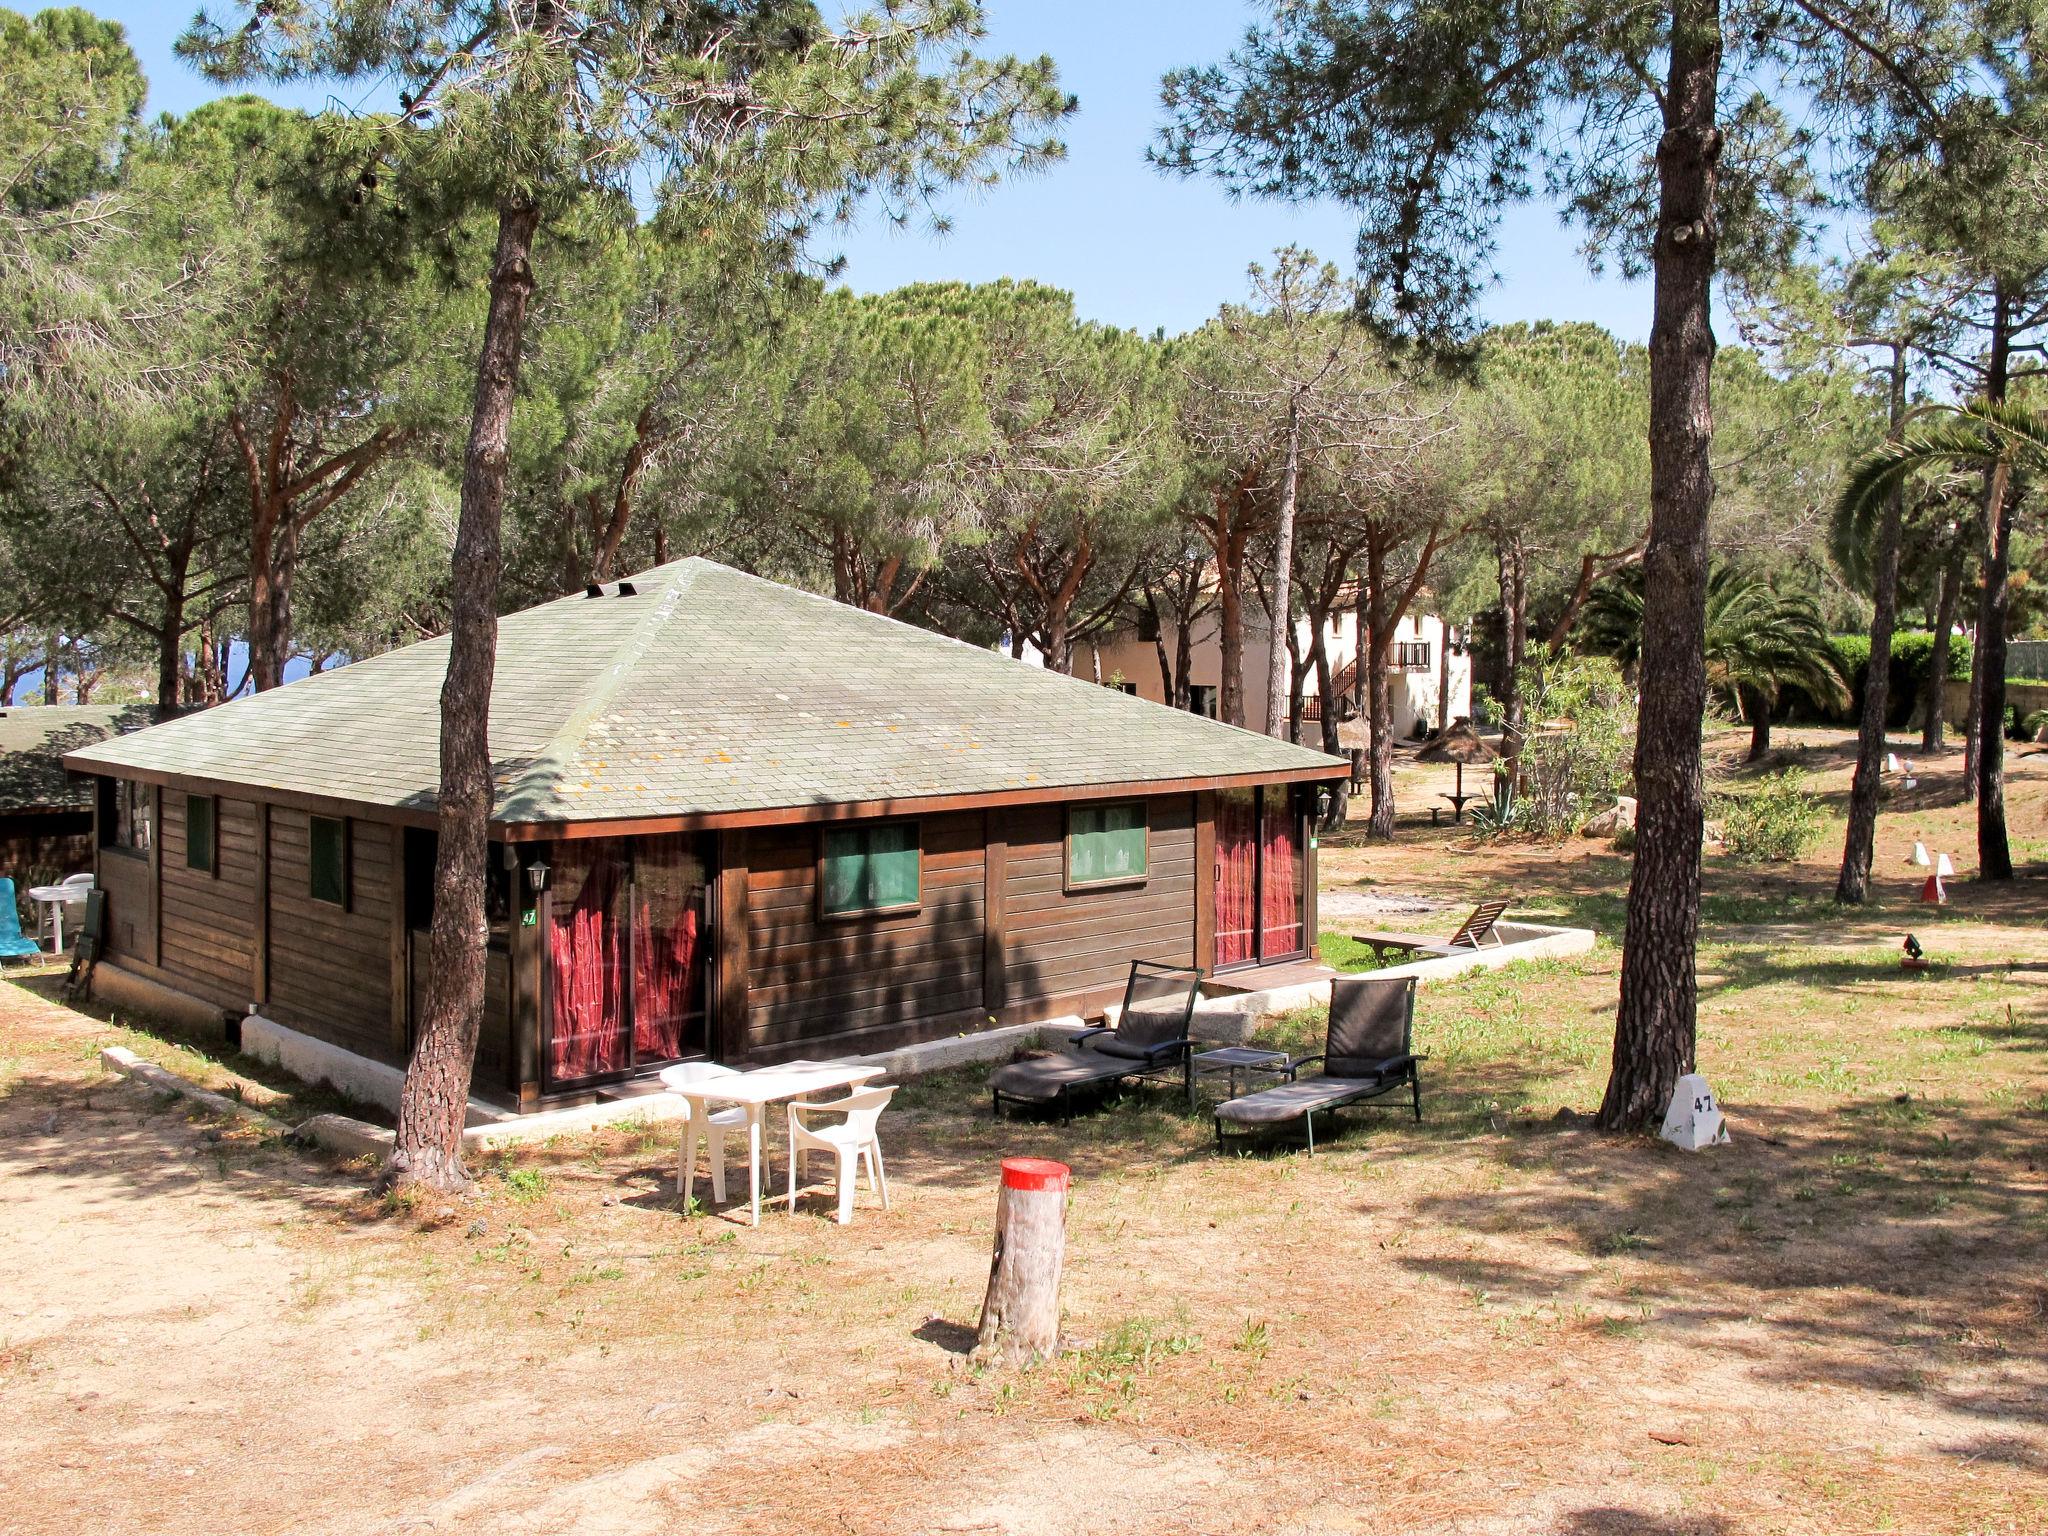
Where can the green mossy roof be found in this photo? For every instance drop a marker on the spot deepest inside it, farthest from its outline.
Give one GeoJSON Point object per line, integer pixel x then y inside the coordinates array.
{"type": "Point", "coordinates": [708, 691]}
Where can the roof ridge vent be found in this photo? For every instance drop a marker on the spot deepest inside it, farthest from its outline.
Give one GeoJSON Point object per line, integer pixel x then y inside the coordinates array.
{"type": "Point", "coordinates": [593, 590]}
{"type": "Point", "coordinates": [627, 589]}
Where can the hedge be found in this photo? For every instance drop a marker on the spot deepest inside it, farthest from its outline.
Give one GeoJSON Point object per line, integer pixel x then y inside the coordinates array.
{"type": "Point", "coordinates": [1912, 655]}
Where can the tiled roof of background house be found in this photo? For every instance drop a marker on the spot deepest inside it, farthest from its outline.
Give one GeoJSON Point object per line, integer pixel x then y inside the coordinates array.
{"type": "Point", "coordinates": [34, 739]}
{"type": "Point", "coordinates": [707, 691]}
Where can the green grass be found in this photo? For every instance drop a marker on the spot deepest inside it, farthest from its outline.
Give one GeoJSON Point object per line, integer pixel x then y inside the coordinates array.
{"type": "Point", "coordinates": [1346, 953]}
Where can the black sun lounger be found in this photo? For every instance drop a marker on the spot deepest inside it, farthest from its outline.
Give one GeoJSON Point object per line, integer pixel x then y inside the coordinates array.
{"type": "Point", "coordinates": [1367, 1056]}
{"type": "Point", "coordinates": [1150, 1040]}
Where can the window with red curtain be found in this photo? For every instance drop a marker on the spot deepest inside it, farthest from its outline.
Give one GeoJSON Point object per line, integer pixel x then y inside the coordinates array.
{"type": "Point", "coordinates": [586, 953]}
{"type": "Point", "coordinates": [1237, 869]}
{"type": "Point", "coordinates": [668, 953]}
{"type": "Point", "coordinates": [1280, 887]}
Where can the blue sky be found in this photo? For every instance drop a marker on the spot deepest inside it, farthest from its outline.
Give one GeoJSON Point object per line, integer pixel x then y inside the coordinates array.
{"type": "Point", "coordinates": [1136, 248]}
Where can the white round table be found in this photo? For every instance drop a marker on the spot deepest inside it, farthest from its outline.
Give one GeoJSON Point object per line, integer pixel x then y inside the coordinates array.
{"type": "Point", "coordinates": [57, 898]}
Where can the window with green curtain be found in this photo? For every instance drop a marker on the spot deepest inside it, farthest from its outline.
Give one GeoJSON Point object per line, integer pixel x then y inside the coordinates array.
{"type": "Point", "coordinates": [328, 859]}
{"type": "Point", "coordinates": [199, 833]}
{"type": "Point", "coordinates": [869, 869]}
{"type": "Point", "coordinates": [1106, 844]}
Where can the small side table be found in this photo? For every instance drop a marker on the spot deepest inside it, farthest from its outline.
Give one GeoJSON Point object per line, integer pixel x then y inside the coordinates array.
{"type": "Point", "coordinates": [1234, 1059]}
{"type": "Point", "coordinates": [55, 898]}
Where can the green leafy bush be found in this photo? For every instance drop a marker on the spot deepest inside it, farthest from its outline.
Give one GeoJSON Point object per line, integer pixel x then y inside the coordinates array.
{"type": "Point", "coordinates": [1912, 655]}
{"type": "Point", "coordinates": [1581, 728]}
{"type": "Point", "coordinates": [1777, 820]}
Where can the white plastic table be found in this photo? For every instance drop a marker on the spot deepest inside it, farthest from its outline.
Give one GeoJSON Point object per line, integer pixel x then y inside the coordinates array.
{"type": "Point", "coordinates": [755, 1091]}
{"type": "Point", "coordinates": [57, 898]}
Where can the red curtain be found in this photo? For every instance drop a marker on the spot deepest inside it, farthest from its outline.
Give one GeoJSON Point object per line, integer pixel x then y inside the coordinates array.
{"type": "Point", "coordinates": [1280, 892]}
{"type": "Point", "coordinates": [586, 951]}
{"type": "Point", "coordinates": [1237, 852]}
{"type": "Point", "coordinates": [668, 885]}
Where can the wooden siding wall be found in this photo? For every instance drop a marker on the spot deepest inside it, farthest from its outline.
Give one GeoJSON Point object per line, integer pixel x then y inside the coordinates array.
{"type": "Point", "coordinates": [330, 969]}
{"type": "Point", "coordinates": [131, 915]}
{"type": "Point", "coordinates": [493, 1071]}
{"type": "Point", "coordinates": [1071, 951]}
{"type": "Point", "coordinates": [208, 943]}
{"type": "Point", "coordinates": [829, 986]}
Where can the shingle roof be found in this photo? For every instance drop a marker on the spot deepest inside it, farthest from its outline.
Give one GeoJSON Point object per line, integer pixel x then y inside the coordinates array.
{"type": "Point", "coordinates": [34, 739]}
{"type": "Point", "coordinates": [708, 691]}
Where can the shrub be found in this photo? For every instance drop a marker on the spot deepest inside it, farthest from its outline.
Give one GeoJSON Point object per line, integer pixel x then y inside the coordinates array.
{"type": "Point", "coordinates": [1912, 655]}
{"type": "Point", "coordinates": [1485, 708]}
{"type": "Point", "coordinates": [1569, 774]}
{"type": "Point", "coordinates": [1777, 820]}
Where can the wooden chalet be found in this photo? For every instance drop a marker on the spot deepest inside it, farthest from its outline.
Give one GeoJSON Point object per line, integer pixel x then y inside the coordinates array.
{"type": "Point", "coordinates": [733, 820]}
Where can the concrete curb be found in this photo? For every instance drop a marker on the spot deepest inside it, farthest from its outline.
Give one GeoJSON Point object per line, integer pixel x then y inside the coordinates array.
{"type": "Point", "coordinates": [356, 1077]}
{"type": "Point", "coordinates": [118, 1058]}
{"type": "Point", "coordinates": [356, 1138]}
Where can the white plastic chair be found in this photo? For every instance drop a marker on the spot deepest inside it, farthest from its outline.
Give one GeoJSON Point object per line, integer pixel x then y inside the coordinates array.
{"type": "Point", "coordinates": [714, 1126]}
{"type": "Point", "coordinates": [854, 1138]}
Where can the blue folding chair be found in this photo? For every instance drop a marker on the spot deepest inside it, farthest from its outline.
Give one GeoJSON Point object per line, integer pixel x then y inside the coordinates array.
{"type": "Point", "coordinates": [14, 945]}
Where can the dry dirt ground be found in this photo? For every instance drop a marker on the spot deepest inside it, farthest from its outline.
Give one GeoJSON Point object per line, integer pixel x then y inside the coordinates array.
{"type": "Point", "coordinates": [1498, 1321]}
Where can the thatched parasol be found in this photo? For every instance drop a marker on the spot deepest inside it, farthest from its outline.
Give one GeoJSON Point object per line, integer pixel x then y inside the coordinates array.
{"type": "Point", "coordinates": [1459, 744]}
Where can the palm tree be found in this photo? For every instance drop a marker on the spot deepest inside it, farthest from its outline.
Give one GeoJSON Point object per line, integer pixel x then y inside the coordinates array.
{"type": "Point", "coordinates": [1759, 642]}
{"type": "Point", "coordinates": [2002, 440]}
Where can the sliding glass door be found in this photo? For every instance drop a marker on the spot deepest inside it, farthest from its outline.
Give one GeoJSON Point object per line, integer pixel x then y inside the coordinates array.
{"type": "Point", "coordinates": [627, 950]}
{"type": "Point", "coordinates": [1259, 874]}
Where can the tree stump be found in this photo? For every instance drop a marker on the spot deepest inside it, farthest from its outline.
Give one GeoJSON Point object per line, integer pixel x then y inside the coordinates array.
{"type": "Point", "coordinates": [1020, 1317]}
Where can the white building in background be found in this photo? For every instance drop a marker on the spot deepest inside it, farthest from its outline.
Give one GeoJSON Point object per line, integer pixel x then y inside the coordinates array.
{"type": "Point", "coordinates": [1430, 681]}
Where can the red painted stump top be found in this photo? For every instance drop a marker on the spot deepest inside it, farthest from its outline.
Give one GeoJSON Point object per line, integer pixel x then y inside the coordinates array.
{"type": "Point", "coordinates": [1035, 1173]}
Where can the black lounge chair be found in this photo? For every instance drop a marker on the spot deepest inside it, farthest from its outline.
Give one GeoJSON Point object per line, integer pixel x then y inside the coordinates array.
{"type": "Point", "coordinates": [1150, 1039]}
{"type": "Point", "coordinates": [1368, 1055]}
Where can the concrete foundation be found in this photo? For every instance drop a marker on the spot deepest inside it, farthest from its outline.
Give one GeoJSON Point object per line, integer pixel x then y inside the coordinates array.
{"type": "Point", "coordinates": [125, 989]}
{"type": "Point", "coordinates": [317, 1061]}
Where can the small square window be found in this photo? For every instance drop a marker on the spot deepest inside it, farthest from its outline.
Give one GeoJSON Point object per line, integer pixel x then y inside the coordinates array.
{"type": "Point", "coordinates": [1106, 844]}
{"type": "Point", "coordinates": [868, 869]}
{"type": "Point", "coordinates": [125, 815]}
{"type": "Point", "coordinates": [328, 859]}
{"type": "Point", "coordinates": [200, 846]}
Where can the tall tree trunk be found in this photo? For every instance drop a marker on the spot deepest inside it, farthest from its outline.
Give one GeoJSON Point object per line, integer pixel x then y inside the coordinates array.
{"type": "Point", "coordinates": [1183, 660]}
{"type": "Point", "coordinates": [1281, 648]}
{"type": "Point", "coordinates": [1655, 1025]}
{"type": "Point", "coordinates": [1757, 709]}
{"type": "Point", "coordinates": [1973, 712]}
{"type": "Point", "coordinates": [1443, 677]}
{"type": "Point", "coordinates": [1166, 689]}
{"type": "Point", "coordinates": [1513, 561]}
{"type": "Point", "coordinates": [1326, 708]}
{"type": "Point", "coordinates": [53, 668]}
{"type": "Point", "coordinates": [1994, 850]}
{"type": "Point", "coordinates": [1380, 698]}
{"type": "Point", "coordinates": [1361, 644]}
{"type": "Point", "coordinates": [436, 1093]}
{"type": "Point", "coordinates": [1230, 642]}
{"type": "Point", "coordinates": [170, 636]}
{"type": "Point", "coordinates": [1059, 653]}
{"type": "Point", "coordinates": [1297, 670]}
{"type": "Point", "coordinates": [266, 665]}
{"type": "Point", "coordinates": [1852, 885]}
{"type": "Point", "coordinates": [1934, 687]}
